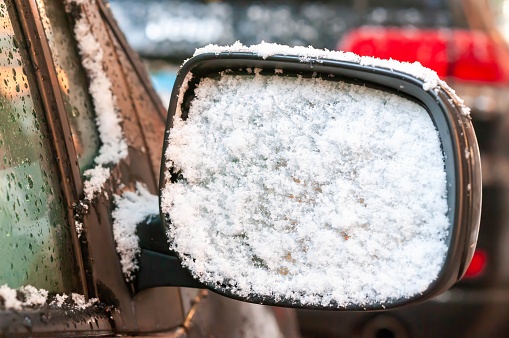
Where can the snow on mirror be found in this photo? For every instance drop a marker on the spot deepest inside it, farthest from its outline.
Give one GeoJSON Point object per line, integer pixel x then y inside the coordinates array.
{"type": "Point", "coordinates": [319, 192]}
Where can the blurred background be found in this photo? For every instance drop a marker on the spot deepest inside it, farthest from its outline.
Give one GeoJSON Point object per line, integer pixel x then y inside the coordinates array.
{"type": "Point", "coordinates": [464, 41]}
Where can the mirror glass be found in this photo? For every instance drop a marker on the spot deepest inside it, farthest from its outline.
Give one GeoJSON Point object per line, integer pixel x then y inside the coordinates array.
{"type": "Point", "coordinates": [306, 190]}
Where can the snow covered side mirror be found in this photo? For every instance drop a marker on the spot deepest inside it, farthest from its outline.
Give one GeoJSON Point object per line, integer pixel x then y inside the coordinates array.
{"type": "Point", "coordinates": [317, 179]}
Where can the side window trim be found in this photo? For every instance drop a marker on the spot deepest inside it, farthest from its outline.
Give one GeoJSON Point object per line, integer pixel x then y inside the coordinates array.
{"type": "Point", "coordinates": [56, 116]}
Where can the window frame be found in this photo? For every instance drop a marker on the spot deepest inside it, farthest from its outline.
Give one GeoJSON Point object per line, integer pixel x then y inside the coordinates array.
{"type": "Point", "coordinates": [53, 105]}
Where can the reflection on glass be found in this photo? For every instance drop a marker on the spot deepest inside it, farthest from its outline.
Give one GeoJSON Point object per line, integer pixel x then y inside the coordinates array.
{"type": "Point", "coordinates": [34, 238]}
{"type": "Point", "coordinates": [73, 82]}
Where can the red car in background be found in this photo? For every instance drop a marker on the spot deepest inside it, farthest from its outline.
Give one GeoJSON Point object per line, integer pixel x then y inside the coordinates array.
{"type": "Point", "coordinates": [459, 55]}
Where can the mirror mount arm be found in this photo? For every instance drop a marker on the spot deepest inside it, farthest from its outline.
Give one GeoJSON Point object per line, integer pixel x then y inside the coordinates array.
{"type": "Point", "coordinates": [158, 269]}
{"type": "Point", "coordinates": [159, 266]}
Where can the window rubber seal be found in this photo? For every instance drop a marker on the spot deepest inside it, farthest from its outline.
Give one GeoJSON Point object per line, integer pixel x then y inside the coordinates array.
{"type": "Point", "coordinates": [57, 121]}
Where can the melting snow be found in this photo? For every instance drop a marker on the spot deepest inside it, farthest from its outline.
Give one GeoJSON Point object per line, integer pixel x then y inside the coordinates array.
{"type": "Point", "coordinates": [9, 297]}
{"type": "Point", "coordinates": [307, 193]}
{"type": "Point", "coordinates": [29, 296]}
{"type": "Point", "coordinates": [34, 296]}
{"type": "Point", "coordinates": [97, 176]}
{"type": "Point", "coordinates": [132, 208]}
{"type": "Point", "coordinates": [113, 145]}
{"type": "Point", "coordinates": [59, 300]}
{"type": "Point", "coordinates": [80, 303]}
{"type": "Point", "coordinates": [78, 226]}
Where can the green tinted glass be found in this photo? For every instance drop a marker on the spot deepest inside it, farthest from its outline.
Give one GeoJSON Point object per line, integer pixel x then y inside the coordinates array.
{"type": "Point", "coordinates": [72, 80]}
{"type": "Point", "coordinates": [35, 243]}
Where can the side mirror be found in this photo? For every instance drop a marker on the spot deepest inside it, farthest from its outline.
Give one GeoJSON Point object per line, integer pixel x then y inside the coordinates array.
{"type": "Point", "coordinates": [315, 179]}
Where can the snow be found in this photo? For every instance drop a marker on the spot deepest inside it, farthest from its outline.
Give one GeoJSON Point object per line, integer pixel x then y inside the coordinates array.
{"type": "Point", "coordinates": [131, 209]}
{"type": "Point", "coordinates": [113, 145]}
{"type": "Point", "coordinates": [59, 300]}
{"type": "Point", "coordinates": [8, 296]}
{"type": "Point", "coordinates": [30, 296]}
{"type": "Point", "coordinates": [78, 226]}
{"type": "Point", "coordinates": [97, 176]}
{"type": "Point", "coordinates": [306, 193]}
{"type": "Point", "coordinates": [310, 54]}
{"type": "Point", "coordinates": [73, 302]}
{"type": "Point", "coordinates": [183, 89]}
{"type": "Point", "coordinates": [34, 296]}
{"type": "Point", "coordinates": [80, 303]}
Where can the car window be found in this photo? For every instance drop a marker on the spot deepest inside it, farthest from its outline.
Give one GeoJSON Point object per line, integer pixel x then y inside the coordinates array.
{"type": "Point", "coordinates": [73, 81]}
{"type": "Point", "coordinates": [35, 242]}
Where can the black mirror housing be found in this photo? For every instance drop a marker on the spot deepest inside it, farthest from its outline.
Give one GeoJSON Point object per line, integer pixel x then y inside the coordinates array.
{"type": "Point", "coordinates": [456, 134]}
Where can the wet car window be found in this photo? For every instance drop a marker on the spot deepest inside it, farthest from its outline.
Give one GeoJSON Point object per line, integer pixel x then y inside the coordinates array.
{"type": "Point", "coordinates": [72, 80]}
{"type": "Point", "coordinates": [35, 243]}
